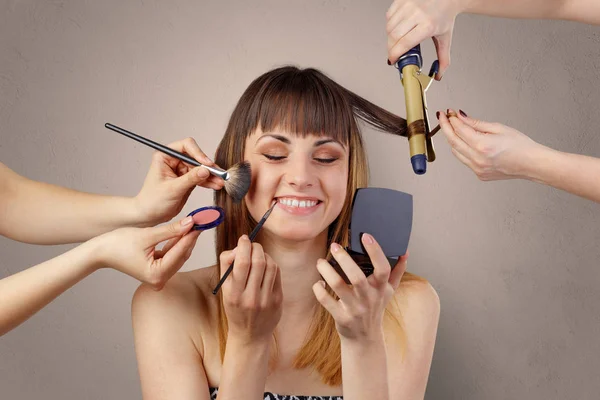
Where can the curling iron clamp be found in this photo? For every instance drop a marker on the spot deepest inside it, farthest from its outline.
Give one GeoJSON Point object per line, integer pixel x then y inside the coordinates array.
{"type": "Point", "coordinates": [415, 85]}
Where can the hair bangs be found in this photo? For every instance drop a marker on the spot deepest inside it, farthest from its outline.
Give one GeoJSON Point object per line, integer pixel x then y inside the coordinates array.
{"type": "Point", "coordinates": [302, 102]}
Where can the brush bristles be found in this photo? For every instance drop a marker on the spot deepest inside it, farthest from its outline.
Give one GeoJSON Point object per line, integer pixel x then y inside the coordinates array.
{"type": "Point", "coordinates": [239, 181]}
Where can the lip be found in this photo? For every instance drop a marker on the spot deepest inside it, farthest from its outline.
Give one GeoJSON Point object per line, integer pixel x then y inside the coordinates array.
{"type": "Point", "coordinates": [298, 210]}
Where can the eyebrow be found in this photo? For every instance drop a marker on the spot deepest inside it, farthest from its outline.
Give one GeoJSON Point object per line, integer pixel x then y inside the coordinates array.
{"type": "Point", "coordinates": [288, 141]}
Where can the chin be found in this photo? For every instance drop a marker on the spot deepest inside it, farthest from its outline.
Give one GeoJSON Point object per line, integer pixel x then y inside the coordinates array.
{"type": "Point", "coordinates": [296, 233]}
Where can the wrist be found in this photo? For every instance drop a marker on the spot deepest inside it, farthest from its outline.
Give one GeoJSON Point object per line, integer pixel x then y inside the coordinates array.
{"type": "Point", "coordinates": [364, 343]}
{"type": "Point", "coordinates": [533, 164]}
{"type": "Point", "coordinates": [93, 249]}
{"type": "Point", "coordinates": [140, 216]}
{"type": "Point", "coordinates": [251, 344]}
{"type": "Point", "coordinates": [469, 6]}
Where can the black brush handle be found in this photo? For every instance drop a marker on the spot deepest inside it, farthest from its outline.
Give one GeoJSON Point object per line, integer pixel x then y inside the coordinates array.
{"type": "Point", "coordinates": [154, 145]}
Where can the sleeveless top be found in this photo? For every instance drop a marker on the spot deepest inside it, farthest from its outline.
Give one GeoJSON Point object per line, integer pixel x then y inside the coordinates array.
{"type": "Point", "coordinates": [272, 396]}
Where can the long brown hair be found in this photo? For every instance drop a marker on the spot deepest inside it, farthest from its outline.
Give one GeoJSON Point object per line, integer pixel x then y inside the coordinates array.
{"type": "Point", "coordinates": [305, 102]}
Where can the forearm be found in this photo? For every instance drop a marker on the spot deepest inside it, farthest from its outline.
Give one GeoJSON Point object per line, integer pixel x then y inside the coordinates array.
{"type": "Point", "coordinates": [574, 173]}
{"type": "Point", "coordinates": [40, 213]}
{"type": "Point", "coordinates": [364, 370]}
{"type": "Point", "coordinates": [587, 11]}
{"type": "Point", "coordinates": [244, 371]}
{"type": "Point", "coordinates": [25, 293]}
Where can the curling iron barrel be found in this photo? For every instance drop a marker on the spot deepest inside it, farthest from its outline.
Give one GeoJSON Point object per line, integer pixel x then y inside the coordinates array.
{"type": "Point", "coordinates": [415, 85]}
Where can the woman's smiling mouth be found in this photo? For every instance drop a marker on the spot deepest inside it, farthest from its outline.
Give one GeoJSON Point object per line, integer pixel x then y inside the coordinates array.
{"type": "Point", "coordinates": [298, 205]}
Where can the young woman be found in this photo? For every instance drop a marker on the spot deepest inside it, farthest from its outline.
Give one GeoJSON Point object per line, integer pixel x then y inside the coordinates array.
{"type": "Point", "coordinates": [285, 325]}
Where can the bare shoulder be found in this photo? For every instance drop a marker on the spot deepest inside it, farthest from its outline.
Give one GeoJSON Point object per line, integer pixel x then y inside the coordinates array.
{"type": "Point", "coordinates": [418, 299]}
{"type": "Point", "coordinates": [182, 301]}
{"type": "Point", "coordinates": [168, 326]}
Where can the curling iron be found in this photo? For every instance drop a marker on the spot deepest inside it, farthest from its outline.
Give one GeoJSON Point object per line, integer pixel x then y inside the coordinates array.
{"type": "Point", "coordinates": [415, 85]}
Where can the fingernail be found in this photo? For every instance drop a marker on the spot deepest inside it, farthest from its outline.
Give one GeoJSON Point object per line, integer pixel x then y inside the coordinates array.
{"type": "Point", "coordinates": [462, 113]}
{"type": "Point", "coordinates": [186, 221]}
{"type": "Point", "coordinates": [437, 114]}
{"type": "Point", "coordinates": [335, 247]}
{"type": "Point", "coordinates": [368, 238]}
{"type": "Point", "coordinates": [245, 237]}
{"type": "Point", "coordinates": [389, 62]}
{"type": "Point", "coordinates": [322, 283]}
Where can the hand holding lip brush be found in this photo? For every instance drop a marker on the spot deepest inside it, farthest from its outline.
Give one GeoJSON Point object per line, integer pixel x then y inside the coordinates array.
{"type": "Point", "coordinates": [252, 237]}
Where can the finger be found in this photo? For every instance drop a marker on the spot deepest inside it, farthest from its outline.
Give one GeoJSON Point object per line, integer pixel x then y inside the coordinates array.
{"type": "Point", "coordinates": [481, 126]}
{"type": "Point", "coordinates": [164, 232]}
{"type": "Point", "coordinates": [218, 182]}
{"type": "Point", "coordinates": [277, 285]}
{"type": "Point", "coordinates": [465, 132]}
{"type": "Point", "coordinates": [190, 147]}
{"type": "Point", "coordinates": [442, 46]}
{"type": "Point", "coordinates": [355, 275]}
{"type": "Point", "coordinates": [241, 268]}
{"type": "Point", "coordinates": [410, 40]}
{"type": "Point", "coordinates": [182, 169]}
{"type": "Point", "coordinates": [393, 8]}
{"type": "Point", "coordinates": [335, 281]}
{"type": "Point", "coordinates": [453, 139]}
{"type": "Point", "coordinates": [269, 275]}
{"type": "Point", "coordinates": [269, 279]}
{"type": "Point", "coordinates": [225, 260]}
{"type": "Point", "coordinates": [398, 271]}
{"type": "Point", "coordinates": [381, 266]}
{"type": "Point", "coordinates": [196, 176]}
{"type": "Point", "coordinates": [399, 24]}
{"type": "Point", "coordinates": [397, 35]}
{"type": "Point", "coordinates": [257, 269]}
{"type": "Point", "coordinates": [327, 301]}
{"type": "Point", "coordinates": [166, 247]}
{"type": "Point", "coordinates": [173, 260]}
{"type": "Point", "coordinates": [463, 159]}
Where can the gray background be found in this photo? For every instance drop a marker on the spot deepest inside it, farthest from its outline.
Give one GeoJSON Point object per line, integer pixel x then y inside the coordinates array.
{"type": "Point", "coordinates": [515, 263]}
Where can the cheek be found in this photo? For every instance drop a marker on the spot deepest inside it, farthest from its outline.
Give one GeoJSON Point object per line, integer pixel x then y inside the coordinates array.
{"type": "Point", "coordinates": [262, 189]}
{"type": "Point", "coordinates": [337, 186]}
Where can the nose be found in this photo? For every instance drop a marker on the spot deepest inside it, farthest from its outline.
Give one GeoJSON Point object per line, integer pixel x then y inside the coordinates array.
{"type": "Point", "coordinates": [300, 174]}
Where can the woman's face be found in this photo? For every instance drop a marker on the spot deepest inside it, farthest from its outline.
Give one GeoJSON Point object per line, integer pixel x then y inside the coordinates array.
{"type": "Point", "coordinates": [306, 176]}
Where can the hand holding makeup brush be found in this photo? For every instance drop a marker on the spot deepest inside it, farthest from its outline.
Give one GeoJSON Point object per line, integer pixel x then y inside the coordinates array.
{"type": "Point", "coordinates": [252, 294]}
{"type": "Point", "coordinates": [170, 182]}
{"type": "Point", "coordinates": [252, 299]}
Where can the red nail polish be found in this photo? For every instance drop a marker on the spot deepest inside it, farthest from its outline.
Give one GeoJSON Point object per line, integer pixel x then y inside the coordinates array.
{"type": "Point", "coordinates": [462, 113]}
{"type": "Point", "coordinates": [437, 114]}
{"type": "Point", "coordinates": [388, 61]}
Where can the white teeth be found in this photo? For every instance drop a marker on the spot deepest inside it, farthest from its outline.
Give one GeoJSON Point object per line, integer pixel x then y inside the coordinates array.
{"type": "Point", "coordinates": [297, 203]}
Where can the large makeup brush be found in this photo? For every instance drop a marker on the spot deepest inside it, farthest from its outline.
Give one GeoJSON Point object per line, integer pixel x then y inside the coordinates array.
{"type": "Point", "coordinates": [237, 178]}
{"type": "Point", "coordinates": [251, 237]}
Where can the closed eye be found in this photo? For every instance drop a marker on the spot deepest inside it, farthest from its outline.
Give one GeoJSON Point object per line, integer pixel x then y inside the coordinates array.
{"type": "Point", "coordinates": [326, 160]}
{"type": "Point", "coordinates": [273, 158]}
